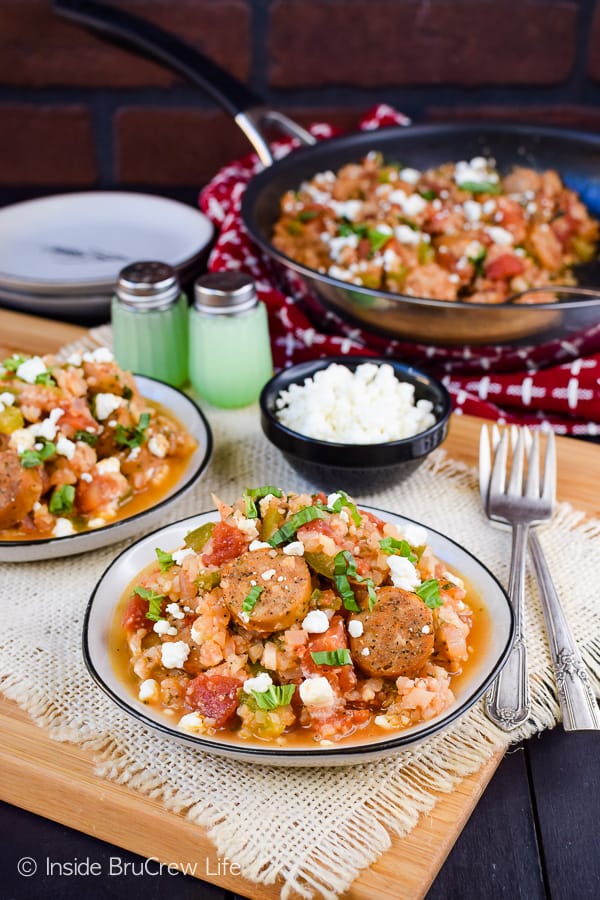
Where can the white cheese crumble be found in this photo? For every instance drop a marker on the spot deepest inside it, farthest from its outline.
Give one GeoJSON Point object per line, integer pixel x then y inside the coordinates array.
{"type": "Point", "coordinates": [96, 522]}
{"type": "Point", "coordinates": [30, 369]}
{"type": "Point", "coordinates": [85, 476]}
{"type": "Point", "coordinates": [404, 574]}
{"type": "Point", "coordinates": [247, 526]}
{"type": "Point", "coordinates": [268, 574]}
{"type": "Point", "coordinates": [192, 722]}
{"type": "Point", "coordinates": [413, 205]}
{"type": "Point", "coordinates": [148, 690]}
{"type": "Point", "coordinates": [158, 445]}
{"type": "Point", "coordinates": [425, 629]}
{"type": "Point", "coordinates": [259, 545]}
{"type": "Point", "coordinates": [472, 210]}
{"type": "Point", "coordinates": [65, 447]}
{"type": "Point", "coordinates": [406, 235]}
{"type": "Point", "coordinates": [100, 355]}
{"type": "Point", "coordinates": [74, 359]}
{"type": "Point", "coordinates": [369, 406]}
{"type": "Point", "coordinates": [411, 176]}
{"type": "Point", "coordinates": [260, 683]}
{"type": "Point", "coordinates": [106, 404]}
{"type": "Point", "coordinates": [6, 398]}
{"type": "Point", "coordinates": [45, 429]}
{"type": "Point", "coordinates": [163, 627]}
{"type": "Point", "coordinates": [316, 692]}
{"type": "Point", "coordinates": [21, 439]}
{"type": "Point", "coordinates": [355, 628]}
{"type": "Point", "coordinates": [180, 555]}
{"type": "Point", "coordinates": [62, 528]}
{"type": "Point", "coordinates": [174, 654]}
{"type": "Point", "coordinates": [108, 465]}
{"type": "Point", "coordinates": [295, 548]}
{"type": "Point", "coordinates": [174, 610]}
{"type": "Point", "coordinates": [500, 235]}
{"type": "Point", "coordinates": [365, 651]}
{"type": "Point", "coordinates": [134, 453]}
{"type": "Point", "coordinates": [416, 535]}
{"type": "Point", "coordinates": [315, 622]}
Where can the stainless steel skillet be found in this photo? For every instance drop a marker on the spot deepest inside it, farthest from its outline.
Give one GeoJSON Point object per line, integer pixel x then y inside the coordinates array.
{"type": "Point", "coordinates": [576, 156]}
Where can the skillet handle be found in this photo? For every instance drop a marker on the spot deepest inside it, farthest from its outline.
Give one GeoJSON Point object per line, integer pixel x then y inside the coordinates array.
{"type": "Point", "coordinates": [153, 42]}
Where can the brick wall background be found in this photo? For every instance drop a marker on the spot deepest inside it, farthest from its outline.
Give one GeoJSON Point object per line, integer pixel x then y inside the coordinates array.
{"type": "Point", "coordinates": [76, 112]}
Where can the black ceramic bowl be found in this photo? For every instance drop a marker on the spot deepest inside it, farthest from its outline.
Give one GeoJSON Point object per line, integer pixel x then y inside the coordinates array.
{"type": "Point", "coordinates": [354, 466]}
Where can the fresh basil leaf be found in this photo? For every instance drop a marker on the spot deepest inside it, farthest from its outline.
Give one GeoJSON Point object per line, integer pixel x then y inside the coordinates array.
{"type": "Point", "coordinates": [480, 187]}
{"type": "Point", "coordinates": [289, 528]}
{"type": "Point", "coordinates": [274, 696]}
{"type": "Point", "coordinates": [46, 379]}
{"type": "Point", "coordinates": [62, 500]}
{"type": "Point", "coordinates": [429, 592]}
{"type": "Point", "coordinates": [394, 547]}
{"type": "Point", "coordinates": [251, 599]}
{"type": "Point", "coordinates": [133, 437]}
{"type": "Point", "coordinates": [165, 560]}
{"type": "Point", "coordinates": [340, 657]}
{"type": "Point", "coordinates": [87, 437]}
{"type": "Point", "coordinates": [154, 602]}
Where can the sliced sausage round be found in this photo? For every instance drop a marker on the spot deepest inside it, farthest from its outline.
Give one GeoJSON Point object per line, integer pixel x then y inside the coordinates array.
{"type": "Point", "coordinates": [398, 635]}
{"type": "Point", "coordinates": [285, 595]}
{"type": "Point", "coordinates": [20, 488]}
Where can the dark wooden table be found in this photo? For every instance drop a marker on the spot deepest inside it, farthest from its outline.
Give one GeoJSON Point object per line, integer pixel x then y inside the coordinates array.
{"type": "Point", "coordinates": [534, 834]}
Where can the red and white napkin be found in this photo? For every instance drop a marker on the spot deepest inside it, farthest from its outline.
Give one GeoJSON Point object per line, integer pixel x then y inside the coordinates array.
{"type": "Point", "coordinates": [497, 382]}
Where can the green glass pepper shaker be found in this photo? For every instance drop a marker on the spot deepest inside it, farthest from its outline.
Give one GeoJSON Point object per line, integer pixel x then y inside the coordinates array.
{"type": "Point", "coordinates": [230, 351]}
{"type": "Point", "coordinates": [149, 315]}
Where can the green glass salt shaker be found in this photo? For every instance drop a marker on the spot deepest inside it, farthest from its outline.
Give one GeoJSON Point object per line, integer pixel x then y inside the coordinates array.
{"type": "Point", "coordinates": [149, 315]}
{"type": "Point", "coordinates": [230, 351]}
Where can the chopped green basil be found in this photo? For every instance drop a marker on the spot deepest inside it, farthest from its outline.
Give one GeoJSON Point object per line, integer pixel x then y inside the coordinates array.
{"type": "Point", "coordinates": [391, 546]}
{"type": "Point", "coordinates": [87, 437]}
{"type": "Point", "coordinates": [154, 602]}
{"type": "Point", "coordinates": [289, 528]}
{"type": "Point", "coordinates": [251, 599]}
{"type": "Point", "coordinates": [339, 657]}
{"type": "Point", "coordinates": [62, 500]}
{"type": "Point", "coordinates": [429, 592]}
{"type": "Point", "coordinates": [480, 187]}
{"type": "Point", "coordinates": [345, 568]}
{"type": "Point", "coordinates": [428, 195]}
{"type": "Point", "coordinates": [46, 379]}
{"type": "Point", "coordinates": [12, 363]}
{"type": "Point", "coordinates": [133, 437]}
{"type": "Point", "coordinates": [378, 239]}
{"type": "Point", "coordinates": [274, 696]}
{"type": "Point", "coordinates": [307, 215]}
{"type": "Point", "coordinates": [165, 560]}
{"type": "Point", "coordinates": [252, 494]}
{"type": "Point", "coordinates": [32, 458]}
{"type": "Point", "coordinates": [344, 500]}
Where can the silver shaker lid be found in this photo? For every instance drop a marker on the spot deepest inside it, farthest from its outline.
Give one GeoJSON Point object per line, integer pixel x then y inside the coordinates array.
{"type": "Point", "coordinates": [148, 285]}
{"type": "Point", "coordinates": [224, 293]}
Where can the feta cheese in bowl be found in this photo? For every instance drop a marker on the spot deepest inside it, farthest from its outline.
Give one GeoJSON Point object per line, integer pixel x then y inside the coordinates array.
{"type": "Point", "coordinates": [355, 419]}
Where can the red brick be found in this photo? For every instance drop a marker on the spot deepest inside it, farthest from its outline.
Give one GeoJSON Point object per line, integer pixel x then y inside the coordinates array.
{"type": "Point", "coordinates": [187, 147]}
{"type": "Point", "coordinates": [382, 42]}
{"type": "Point", "coordinates": [594, 45]}
{"type": "Point", "coordinates": [583, 117]}
{"type": "Point", "coordinates": [50, 145]}
{"type": "Point", "coordinates": [39, 48]}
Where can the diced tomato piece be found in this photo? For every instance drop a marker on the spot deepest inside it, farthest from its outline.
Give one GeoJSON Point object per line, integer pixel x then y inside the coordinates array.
{"type": "Point", "coordinates": [506, 266]}
{"type": "Point", "coordinates": [342, 678]}
{"type": "Point", "coordinates": [134, 616]}
{"type": "Point", "coordinates": [76, 417]}
{"type": "Point", "coordinates": [214, 696]}
{"type": "Point", "coordinates": [378, 522]}
{"type": "Point", "coordinates": [227, 542]}
{"type": "Point", "coordinates": [321, 526]}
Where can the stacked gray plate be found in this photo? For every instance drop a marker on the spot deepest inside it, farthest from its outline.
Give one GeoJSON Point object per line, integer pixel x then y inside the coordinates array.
{"type": "Point", "coordinates": [60, 256]}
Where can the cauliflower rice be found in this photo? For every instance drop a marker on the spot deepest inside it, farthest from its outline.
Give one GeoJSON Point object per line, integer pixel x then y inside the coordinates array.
{"type": "Point", "coordinates": [368, 406]}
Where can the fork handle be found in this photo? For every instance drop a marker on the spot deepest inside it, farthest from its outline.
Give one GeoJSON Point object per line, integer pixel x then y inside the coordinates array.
{"type": "Point", "coordinates": [507, 702]}
{"type": "Point", "coordinates": [575, 695]}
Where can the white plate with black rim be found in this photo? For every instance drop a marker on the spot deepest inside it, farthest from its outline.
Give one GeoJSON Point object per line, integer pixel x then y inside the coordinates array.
{"type": "Point", "coordinates": [107, 594]}
{"type": "Point", "coordinates": [187, 412]}
{"type": "Point", "coordinates": [77, 243]}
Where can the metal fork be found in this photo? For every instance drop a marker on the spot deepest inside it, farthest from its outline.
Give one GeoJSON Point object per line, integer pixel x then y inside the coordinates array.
{"type": "Point", "coordinates": [507, 703]}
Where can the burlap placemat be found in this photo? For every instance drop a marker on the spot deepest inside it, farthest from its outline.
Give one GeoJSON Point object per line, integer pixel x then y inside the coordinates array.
{"type": "Point", "coordinates": [312, 828]}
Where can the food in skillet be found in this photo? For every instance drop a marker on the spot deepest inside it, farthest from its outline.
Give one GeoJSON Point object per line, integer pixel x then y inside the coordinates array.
{"type": "Point", "coordinates": [458, 232]}
{"type": "Point", "coordinates": [295, 618]}
{"type": "Point", "coordinates": [79, 446]}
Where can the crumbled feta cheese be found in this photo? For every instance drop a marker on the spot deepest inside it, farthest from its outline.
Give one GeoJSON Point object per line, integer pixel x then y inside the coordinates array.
{"type": "Point", "coordinates": [85, 476]}
{"type": "Point", "coordinates": [333, 498]}
{"type": "Point", "coordinates": [338, 244]}
{"type": "Point", "coordinates": [259, 545]}
{"type": "Point", "coordinates": [425, 629]}
{"type": "Point", "coordinates": [174, 610]}
{"type": "Point", "coordinates": [112, 423]}
{"type": "Point", "coordinates": [100, 355]}
{"type": "Point", "coordinates": [406, 235]}
{"type": "Point", "coordinates": [366, 407]}
{"type": "Point", "coordinates": [65, 447]}
{"type": "Point", "coordinates": [488, 207]}
{"type": "Point", "coordinates": [315, 622]}
{"type": "Point", "coordinates": [45, 429]}
{"type": "Point", "coordinates": [316, 692]}
{"type": "Point", "coordinates": [265, 502]}
{"type": "Point", "coordinates": [148, 690]}
{"type": "Point", "coordinates": [62, 528]}
{"type": "Point", "coordinates": [260, 683]}
{"type": "Point", "coordinates": [106, 404]}
{"type": "Point", "coordinates": [383, 722]}
{"type": "Point", "coordinates": [416, 535]}
{"type": "Point", "coordinates": [163, 627]}
{"type": "Point", "coordinates": [192, 722]}
{"type": "Point", "coordinates": [411, 176]}
{"type": "Point", "coordinates": [180, 555]}
{"type": "Point", "coordinates": [21, 439]}
{"type": "Point", "coordinates": [404, 574]}
{"type": "Point", "coordinates": [268, 574]}
{"type": "Point", "coordinates": [97, 522]}
{"type": "Point", "coordinates": [246, 526]}
{"type": "Point", "coordinates": [413, 205]}
{"type": "Point", "coordinates": [355, 628]}
{"type": "Point", "coordinates": [472, 210]}
{"type": "Point", "coordinates": [339, 273]}
{"type": "Point", "coordinates": [478, 171]}
{"type": "Point", "coordinates": [500, 235]}
{"type": "Point", "coordinates": [349, 209]}
{"type": "Point", "coordinates": [397, 197]}
{"type": "Point", "coordinates": [30, 369]}
{"type": "Point", "coordinates": [74, 359]}
{"type": "Point", "coordinates": [158, 445]}
{"type": "Point", "coordinates": [295, 548]}
{"type": "Point", "coordinates": [133, 454]}
{"type": "Point", "coordinates": [6, 398]}
{"type": "Point", "coordinates": [108, 465]}
{"type": "Point", "coordinates": [174, 654]}
{"type": "Point", "coordinates": [365, 651]}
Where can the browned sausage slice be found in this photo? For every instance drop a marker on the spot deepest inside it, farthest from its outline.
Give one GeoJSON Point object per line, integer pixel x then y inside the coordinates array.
{"type": "Point", "coordinates": [286, 589]}
{"type": "Point", "coordinates": [393, 635]}
{"type": "Point", "coordinates": [19, 489]}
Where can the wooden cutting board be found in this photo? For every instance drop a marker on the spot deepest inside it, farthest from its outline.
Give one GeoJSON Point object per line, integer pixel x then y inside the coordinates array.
{"type": "Point", "coordinates": [57, 781]}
